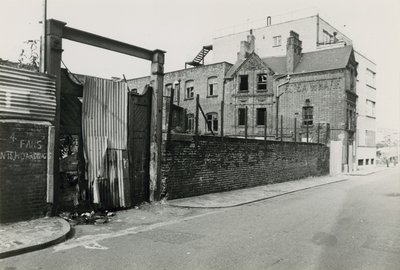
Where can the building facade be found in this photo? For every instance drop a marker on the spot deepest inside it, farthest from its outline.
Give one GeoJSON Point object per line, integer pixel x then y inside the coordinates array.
{"type": "Point", "coordinates": [315, 88]}
{"type": "Point", "coordinates": [316, 34]}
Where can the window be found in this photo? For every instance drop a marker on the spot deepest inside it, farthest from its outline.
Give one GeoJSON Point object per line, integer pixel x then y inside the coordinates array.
{"type": "Point", "coordinates": [190, 123]}
{"type": "Point", "coordinates": [261, 116]}
{"type": "Point", "coordinates": [262, 82]}
{"type": "Point", "coordinates": [308, 115]}
{"type": "Point", "coordinates": [360, 162]}
{"type": "Point", "coordinates": [177, 94]}
{"type": "Point", "coordinates": [277, 41]}
{"type": "Point", "coordinates": [370, 107]}
{"type": "Point", "coordinates": [367, 161]}
{"type": "Point", "coordinates": [244, 82]}
{"type": "Point", "coordinates": [168, 88]}
{"type": "Point", "coordinates": [212, 122]}
{"type": "Point", "coordinates": [327, 38]}
{"type": "Point", "coordinates": [212, 87]}
{"type": "Point", "coordinates": [370, 77]}
{"type": "Point", "coordinates": [372, 161]}
{"type": "Point", "coordinates": [242, 116]}
{"type": "Point", "coordinates": [189, 90]}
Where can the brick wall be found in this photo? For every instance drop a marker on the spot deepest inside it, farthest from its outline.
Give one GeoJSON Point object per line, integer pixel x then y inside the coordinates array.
{"type": "Point", "coordinates": [23, 169]}
{"type": "Point", "coordinates": [215, 164]}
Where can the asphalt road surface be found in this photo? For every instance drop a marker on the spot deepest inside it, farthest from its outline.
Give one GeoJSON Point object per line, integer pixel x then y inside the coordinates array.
{"type": "Point", "coordinates": [353, 224]}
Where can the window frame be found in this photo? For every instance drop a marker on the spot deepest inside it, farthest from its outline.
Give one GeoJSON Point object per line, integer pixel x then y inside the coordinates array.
{"type": "Point", "coordinates": [243, 110]}
{"type": "Point", "coordinates": [241, 77]}
{"type": "Point", "coordinates": [263, 109]}
{"type": "Point", "coordinates": [306, 119]}
{"type": "Point", "coordinates": [167, 89]}
{"type": "Point", "coordinates": [189, 89]}
{"type": "Point", "coordinates": [277, 41]}
{"type": "Point", "coordinates": [213, 122]}
{"type": "Point", "coordinates": [262, 83]}
{"type": "Point", "coordinates": [190, 123]}
{"type": "Point", "coordinates": [212, 85]}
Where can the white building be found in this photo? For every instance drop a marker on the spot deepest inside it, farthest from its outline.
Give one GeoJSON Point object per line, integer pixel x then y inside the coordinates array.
{"type": "Point", "coordinates": [316, 34]}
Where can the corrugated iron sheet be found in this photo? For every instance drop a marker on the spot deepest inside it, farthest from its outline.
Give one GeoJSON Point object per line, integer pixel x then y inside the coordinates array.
{"type": "Point", "coordinates": [26, 95]}
{"type": "Point", "coordinates": [104, 115]}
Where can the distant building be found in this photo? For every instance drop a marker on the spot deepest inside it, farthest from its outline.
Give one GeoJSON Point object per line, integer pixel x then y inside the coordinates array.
{"type": "Point", "coordinates": [316, 34]}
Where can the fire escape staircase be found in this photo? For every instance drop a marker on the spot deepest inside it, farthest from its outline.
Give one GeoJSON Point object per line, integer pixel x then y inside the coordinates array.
{"type": "Point", "coordinates": [199, 59]}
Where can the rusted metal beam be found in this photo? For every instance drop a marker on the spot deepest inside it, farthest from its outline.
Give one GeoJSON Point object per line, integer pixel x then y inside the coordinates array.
{"type": "Point", "coordinates": [106, 43]}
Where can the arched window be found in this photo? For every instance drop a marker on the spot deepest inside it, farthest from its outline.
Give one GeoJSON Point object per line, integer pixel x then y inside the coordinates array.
{"type": "Point", "coordinates": [212, 87]}
{"type": "Point", "coordinates": [212, 122]}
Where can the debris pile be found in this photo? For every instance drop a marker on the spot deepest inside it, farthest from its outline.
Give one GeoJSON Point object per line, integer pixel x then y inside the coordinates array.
{"type": "Point", "coordinates": [87, 218]}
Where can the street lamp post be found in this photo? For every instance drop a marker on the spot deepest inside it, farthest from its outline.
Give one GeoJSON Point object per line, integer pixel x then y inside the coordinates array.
{"type": "Point", "coordinates": [277, 105]}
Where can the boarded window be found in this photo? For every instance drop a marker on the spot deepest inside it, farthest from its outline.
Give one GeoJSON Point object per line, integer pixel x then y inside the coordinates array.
{"type": "Point", "coordinates": [244, 82]}
{"type": "Point", "coordinates": [261, 116]}
{"type": "Point", "coordinates": [241, 116]}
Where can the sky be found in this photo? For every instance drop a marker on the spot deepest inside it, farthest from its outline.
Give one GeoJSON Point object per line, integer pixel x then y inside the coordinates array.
{"type": "Point", "coordinates": [182, 27]}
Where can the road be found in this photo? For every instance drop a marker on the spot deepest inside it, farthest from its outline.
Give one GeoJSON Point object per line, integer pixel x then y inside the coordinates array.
{"type": "Point", "coordinates": [353, 224]}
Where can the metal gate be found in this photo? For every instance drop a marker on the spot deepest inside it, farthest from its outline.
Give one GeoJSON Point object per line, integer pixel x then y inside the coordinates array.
{"type": "Point", "coordinates": [139, 114]}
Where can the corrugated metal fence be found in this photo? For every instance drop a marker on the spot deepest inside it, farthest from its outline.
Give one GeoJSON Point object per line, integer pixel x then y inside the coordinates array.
{"type": "Point", "coordinates": [26, 95]}
{"type": "Point", "coordinates": [104, 120]}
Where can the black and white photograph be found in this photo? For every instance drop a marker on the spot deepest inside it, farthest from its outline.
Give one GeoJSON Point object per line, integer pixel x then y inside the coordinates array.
{"type": "Point", "coordinates": [199, 134]}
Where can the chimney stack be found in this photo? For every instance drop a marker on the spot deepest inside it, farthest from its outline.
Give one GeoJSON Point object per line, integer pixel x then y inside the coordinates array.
{"type": "Point", "coordinates": [293, 51]}
{"type": "Point", "coordinates": [247, 46]}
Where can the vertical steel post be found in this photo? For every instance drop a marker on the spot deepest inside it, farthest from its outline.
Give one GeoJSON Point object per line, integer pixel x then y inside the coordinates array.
{"type": "Point", "coordinates": [157, 77]}
{"type": "Point", "coordinates": [281, 128]}
{"type": "Point", "coordinates": [196, 120]}
{"type": "Point", "coordinates": [265, 126]}
{"type": "Point", "coordinates": [245, 124]}
{"type": "Point", "coordinates": [277, 118]}
{"type": "Point", "coordinates": [171, 105]}
{"type": "Point", "coordinates": [54, 32]}
{"type": "Point", "coordinates": [307, 131]}
{"type": "Point", "coordinates": [222, 118]}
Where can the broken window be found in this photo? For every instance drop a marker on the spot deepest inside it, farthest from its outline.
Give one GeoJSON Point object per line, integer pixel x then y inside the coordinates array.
{"type": "Point", "coordinates": [308, 115]}
{"type": "Point", "coordinates": [262, 82]}
{"type": "Point", "coordinates": [212, 122]}
{"type": "Point", "coordinates": [244, 82]}
{"type": "Point", "coordinates": [189, 90]}
{"type": "Point", "coordinates": [261, 116]}
{"type": "Point", "coordinates": [277, 41]}
{"type": "Point", "coordinates": [241, 116]}
{"type": "Point", "coordinates": [212, 86]}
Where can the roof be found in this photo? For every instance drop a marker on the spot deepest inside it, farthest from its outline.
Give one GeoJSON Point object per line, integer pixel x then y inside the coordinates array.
{"type": "Point", "coordinates": [328, 59]}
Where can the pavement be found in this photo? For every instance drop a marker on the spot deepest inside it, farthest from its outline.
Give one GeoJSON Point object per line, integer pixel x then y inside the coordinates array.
{"type": "Point", "coordinates": [21, 237]}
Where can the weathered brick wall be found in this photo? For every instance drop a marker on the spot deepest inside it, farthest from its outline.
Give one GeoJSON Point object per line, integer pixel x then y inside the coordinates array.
{"type": "Point", "coordinates": [215, 164]}
{"type": "Point", "coordinates": [23, 169]}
